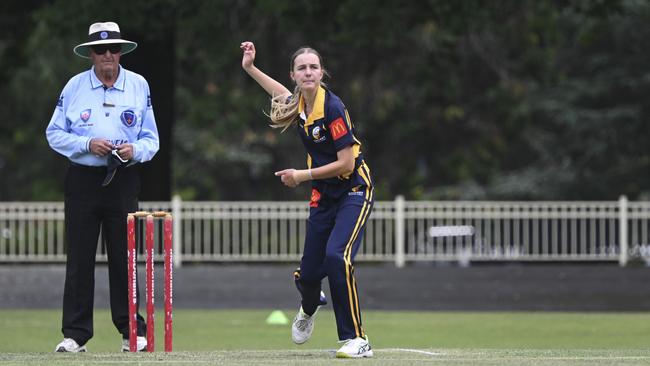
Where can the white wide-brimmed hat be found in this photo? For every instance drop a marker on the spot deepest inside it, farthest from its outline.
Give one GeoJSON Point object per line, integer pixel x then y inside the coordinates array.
{"type": "Point", "coordinates": [104, 33]}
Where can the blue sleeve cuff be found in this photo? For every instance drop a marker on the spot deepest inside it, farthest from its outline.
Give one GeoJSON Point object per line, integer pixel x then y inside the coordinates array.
{"type": "Point", "coordinates": [88, 144]}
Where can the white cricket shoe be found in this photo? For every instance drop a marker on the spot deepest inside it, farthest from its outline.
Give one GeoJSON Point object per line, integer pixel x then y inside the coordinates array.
{"type": "Point", "coordinates": [141, 347]}
{"type": "Point", "coordinates": [303, 326]}
{"type": "Point", "coordinates": [355, 348]}
{"type": "Point", "coordinates": [69, 345]}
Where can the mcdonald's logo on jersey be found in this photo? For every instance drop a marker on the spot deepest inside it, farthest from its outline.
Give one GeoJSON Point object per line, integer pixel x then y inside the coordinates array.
{"type": "Point", "coordinates": [338, 128]}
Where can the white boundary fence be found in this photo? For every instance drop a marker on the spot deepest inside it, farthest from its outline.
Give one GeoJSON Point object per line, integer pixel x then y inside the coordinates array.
{"type": "Point", "coordinates": [398, 231]}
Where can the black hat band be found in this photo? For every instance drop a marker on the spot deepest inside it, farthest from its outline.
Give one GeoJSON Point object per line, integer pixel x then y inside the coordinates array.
{"type": "Point", "coordinates": [100, 36]}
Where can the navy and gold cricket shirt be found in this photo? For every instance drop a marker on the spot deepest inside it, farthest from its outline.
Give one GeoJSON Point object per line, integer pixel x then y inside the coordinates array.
{"type": "Point", "coordinates": [324, 132]}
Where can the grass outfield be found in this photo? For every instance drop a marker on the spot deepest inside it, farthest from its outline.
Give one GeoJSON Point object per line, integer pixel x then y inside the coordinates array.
{"type": "Point", "coordinates": [241, 337]}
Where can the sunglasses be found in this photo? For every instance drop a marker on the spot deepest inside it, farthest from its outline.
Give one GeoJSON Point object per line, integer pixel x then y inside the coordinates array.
{"type": "Point", "coordinates": [101, 49]}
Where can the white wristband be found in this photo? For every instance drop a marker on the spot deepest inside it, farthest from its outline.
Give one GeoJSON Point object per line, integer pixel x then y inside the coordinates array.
{"type": "Point", "coordinates": [309, 173]}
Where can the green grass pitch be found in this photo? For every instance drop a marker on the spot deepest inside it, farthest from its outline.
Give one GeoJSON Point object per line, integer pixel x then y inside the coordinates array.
{"type": "Point", "coordinates": [241, 337]}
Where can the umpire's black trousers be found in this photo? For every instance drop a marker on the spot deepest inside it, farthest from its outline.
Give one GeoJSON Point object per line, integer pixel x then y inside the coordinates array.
{"type": "Point", "coordinates": [89, 207]}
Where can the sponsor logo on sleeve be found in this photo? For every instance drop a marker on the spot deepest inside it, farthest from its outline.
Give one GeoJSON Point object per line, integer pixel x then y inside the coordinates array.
{"type": "Point", "coordinates": [338, 128]}
{"type": "Point", "coordinates": [60, 102]}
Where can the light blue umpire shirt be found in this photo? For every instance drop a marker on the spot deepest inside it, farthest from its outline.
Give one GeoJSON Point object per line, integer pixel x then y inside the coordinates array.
{"type": "Point", "coordinates": [120, 114]}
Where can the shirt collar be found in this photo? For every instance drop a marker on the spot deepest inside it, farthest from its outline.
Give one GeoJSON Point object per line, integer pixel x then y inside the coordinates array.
{"type": "Point", "coordinates": [319, 107]}
{"type": "Point", "coordinates": [119, 83]}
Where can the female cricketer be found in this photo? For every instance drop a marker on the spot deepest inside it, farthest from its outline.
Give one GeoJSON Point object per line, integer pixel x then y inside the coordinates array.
{"type": "Point", "coordinates": [341, 195]}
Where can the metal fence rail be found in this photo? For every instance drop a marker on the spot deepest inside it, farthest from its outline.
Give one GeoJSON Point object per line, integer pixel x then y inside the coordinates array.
{"type": "Point", "coordinates": [515, 230]}
{"type": "Point", "coordinates": [398, 231]}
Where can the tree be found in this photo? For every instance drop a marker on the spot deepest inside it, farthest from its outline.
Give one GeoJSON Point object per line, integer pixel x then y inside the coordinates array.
{"type": "Point", "coordinates": [43, 62]}
{"type": "Point", "coordinates": [515, 99]}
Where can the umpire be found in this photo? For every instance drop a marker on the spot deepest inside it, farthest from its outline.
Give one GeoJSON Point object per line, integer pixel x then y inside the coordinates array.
{"type": "Point", "coordinates": [104, 124]}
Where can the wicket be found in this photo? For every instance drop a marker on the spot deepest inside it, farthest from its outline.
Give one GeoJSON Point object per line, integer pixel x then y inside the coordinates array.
{"type": "Point", "coordinates": [132, 277]}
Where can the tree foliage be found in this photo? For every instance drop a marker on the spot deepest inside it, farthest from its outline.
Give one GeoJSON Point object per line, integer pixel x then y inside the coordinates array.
{"type": "Point", "coordinates": [510, 99]}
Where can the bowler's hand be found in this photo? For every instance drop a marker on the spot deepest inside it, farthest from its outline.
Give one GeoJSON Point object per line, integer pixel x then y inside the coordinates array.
{"type": "Point", "coordinates": [287, 177]}
{"type": "Point", "coordinates": [292, 177]}
{"type": "Point", "coordinates": [249, 54]}
{"type": "Point", "coordinates": [100, 147]}
{"type": "Point", "coordinates": [125, 151]}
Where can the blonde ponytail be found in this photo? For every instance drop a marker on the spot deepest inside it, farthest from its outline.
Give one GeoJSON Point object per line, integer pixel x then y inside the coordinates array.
{"type": "Point", "coordinates": [284, 111]}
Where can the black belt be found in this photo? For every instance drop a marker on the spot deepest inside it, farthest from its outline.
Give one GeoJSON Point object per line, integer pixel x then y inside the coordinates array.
{"type": "Point", "coordinates": [108, 170]}
{"type": "Point", "coordinates": [89, 167]}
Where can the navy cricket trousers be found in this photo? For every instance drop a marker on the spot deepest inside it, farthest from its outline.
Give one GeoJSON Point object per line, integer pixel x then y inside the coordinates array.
{"type": "Point", "coordinates": [334, 232]}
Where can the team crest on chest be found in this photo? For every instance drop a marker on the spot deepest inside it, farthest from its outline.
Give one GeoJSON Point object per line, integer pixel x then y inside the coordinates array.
{"type": "Point", "coordinates": [128, 118]}
{"type": "Point", "coordinates": [85, 115]}
{"type": "Point", "coordinates": [317, 134]}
